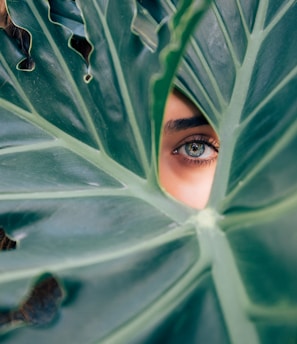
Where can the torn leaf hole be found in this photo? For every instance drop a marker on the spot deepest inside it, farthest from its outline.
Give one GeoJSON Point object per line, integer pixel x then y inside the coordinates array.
{"type": "Point", "coordinates": [81, 45]}
{"type": "Point", "coordinates": [88, 78]}
{"type": "Point", "coordinates": [40, 308]}
{"type": "Point", "coordinates": [27, 64]}
{"type": "Point", "coordinates": [6, 243]}
{"type": "Point", "coordinates": [68, 14]}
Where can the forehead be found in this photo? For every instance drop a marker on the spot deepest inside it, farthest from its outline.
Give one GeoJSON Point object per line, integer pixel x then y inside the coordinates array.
{"type": "Point", "coordinates": [178, 107]}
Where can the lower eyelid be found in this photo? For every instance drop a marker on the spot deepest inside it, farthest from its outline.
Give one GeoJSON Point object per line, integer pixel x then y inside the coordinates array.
{"type": "Point", "coordinates": [198, 162]}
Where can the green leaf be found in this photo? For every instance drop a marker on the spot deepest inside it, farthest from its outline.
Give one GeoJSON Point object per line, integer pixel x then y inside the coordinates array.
{"type": "Point", "coordinates": [245, 81]}
{"type": "Point", "coordinates": [68, 14]}
{"type": "Point", "coordinates": [78, 186]}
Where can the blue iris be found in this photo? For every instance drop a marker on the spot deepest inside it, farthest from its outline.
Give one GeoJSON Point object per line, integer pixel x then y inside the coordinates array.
{"type": "Point", "coordinates": [195, 149]}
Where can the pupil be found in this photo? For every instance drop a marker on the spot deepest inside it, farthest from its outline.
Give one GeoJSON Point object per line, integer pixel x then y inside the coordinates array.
{"type": "Point", "coordinates": [195, 149]}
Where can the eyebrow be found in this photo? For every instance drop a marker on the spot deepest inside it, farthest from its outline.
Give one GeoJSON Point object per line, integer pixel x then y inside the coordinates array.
{"type": "Point", "coordinates": [184, 123]}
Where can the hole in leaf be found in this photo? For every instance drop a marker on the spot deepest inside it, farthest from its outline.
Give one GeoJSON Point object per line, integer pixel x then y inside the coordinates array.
{"type": "Point", "coordinates": [40, 308]}
{"type": "Point", "coordinates": [81, 45]}
{"type": "Point", "coordinates": [5, 242]}
{"type": "Point", "coordinates": [189, 150]}
{"type": "Point", "coordinates": [88, 78]}
{"type": "Point", "coordinates": [68, 14]}
{"type": "Point", "coordinates": [27, 64]}
{"type": "Point", "coordinates": [20, 36]}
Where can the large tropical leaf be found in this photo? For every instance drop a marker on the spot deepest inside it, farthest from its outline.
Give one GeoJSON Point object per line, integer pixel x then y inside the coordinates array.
{"type": "Point", "coordinates": [78, 185]}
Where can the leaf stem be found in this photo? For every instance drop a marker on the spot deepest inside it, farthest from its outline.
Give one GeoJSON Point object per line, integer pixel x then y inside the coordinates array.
{"type": "Point", "coordinates": [228, 283]}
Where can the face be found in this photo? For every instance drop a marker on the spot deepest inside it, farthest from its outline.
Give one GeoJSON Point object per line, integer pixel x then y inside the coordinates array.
{"type": "Point", "coordinates": [189, 151]}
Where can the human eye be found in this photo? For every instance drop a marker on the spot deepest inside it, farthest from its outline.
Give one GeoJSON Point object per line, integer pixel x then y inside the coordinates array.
{"type": "Point", "coordinates": [197, 149]}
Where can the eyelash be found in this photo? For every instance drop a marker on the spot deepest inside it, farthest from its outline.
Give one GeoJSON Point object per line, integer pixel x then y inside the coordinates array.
{"type": "Point", "coordinates": [199, 139]}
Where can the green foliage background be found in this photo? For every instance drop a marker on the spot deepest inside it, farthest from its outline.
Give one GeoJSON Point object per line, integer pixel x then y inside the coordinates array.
{"type": "Point", "coordinates": [78, 185]}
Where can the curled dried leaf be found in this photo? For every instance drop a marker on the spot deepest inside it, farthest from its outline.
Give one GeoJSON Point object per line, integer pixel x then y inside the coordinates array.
{"type": "Point", "coordinates": [21, 36]}
{"type": "Point", "coordinates": [40, 308]}
{"type": "Point", "coordinates": [5, 242]}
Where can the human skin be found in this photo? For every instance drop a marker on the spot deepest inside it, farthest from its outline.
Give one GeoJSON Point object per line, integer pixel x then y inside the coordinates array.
{"type": "Point", "coordinates": [188, 154]}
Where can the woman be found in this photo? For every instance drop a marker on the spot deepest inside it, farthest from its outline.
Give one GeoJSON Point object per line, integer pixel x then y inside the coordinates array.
{"type": "Point", "coordinates": [189, 150]}
{"type": "Point", "coordinates": [189, 147]}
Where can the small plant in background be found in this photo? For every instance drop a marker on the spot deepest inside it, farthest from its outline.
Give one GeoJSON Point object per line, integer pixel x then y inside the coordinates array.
{"type": "Point", "coordinates": [102, 254]}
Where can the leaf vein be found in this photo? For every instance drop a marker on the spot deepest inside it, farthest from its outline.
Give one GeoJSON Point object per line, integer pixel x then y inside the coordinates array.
{"type": "Point", "coordinates": [68, 74]}
{"type": "Point", "coordinates": [124, 90]}
{"type": "Point", "coordinates": [274, 150]}
{"type": "Point", "coordinates": [233, 54]}
{"type": "Point", "coordinates": [279, 16]}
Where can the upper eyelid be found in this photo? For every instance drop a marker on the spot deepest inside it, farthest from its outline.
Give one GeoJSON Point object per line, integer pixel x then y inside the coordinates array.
{"type": "Point", "coordinates": [199, 137]}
